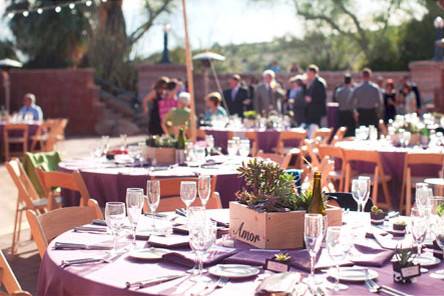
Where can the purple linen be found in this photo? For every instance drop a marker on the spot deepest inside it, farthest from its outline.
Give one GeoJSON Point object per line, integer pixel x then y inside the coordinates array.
{"type": "Point", "coordinates": [188, 258]}
{"type": "Point", "coordinates": [332, 114]}
{"type": "Point", "coordinates": [367, 256]}
{"type": "Point", "coordinates": [267, 140]}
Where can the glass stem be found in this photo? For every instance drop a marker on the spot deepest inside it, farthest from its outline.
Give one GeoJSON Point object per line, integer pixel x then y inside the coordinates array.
{"type": "Point", "coordinates": [152, 219]}
{"type": "Point", "coordinates": [115, 241]}
{"type": "Point", "coordinates": [134, 235]}
{"type": "Point", "coordinates": [200, 262]}
{"type": "Point", "coordinates": [337, 277]}
{"type": "Point", "coordinates": [419, 249]}
{"type": "Point", "coordinates": [312, 266]}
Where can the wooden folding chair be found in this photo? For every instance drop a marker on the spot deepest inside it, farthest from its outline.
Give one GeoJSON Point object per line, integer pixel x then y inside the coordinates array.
{"type": "Point", "coordinates": [325, 167]}
{"type": "Point", "coordinates": [252, 136]}
{"type": "Point", "coordinates": [323, 135]}
{"type": "Point", "coordinates": [378, 176]}
{"type": "Point", "coordinates": [289, 135]}
{"type": "Point", "coordinates": [310, 152]}
{"type": "Point", "coordinates": [42, 136]}
{"type": "Point", "coordinates": [8, 279]}
{"type": "Point", "coordinates": [46, 227]}
{"type": "Point", "coordinates": [339, 135]}
{"type": "Point", "coordinates": [170, 195]}
{"type": "Point", "coordinates": [16, 135]}
{"type": "Point", "coordinates": [56, 179]}
{"type": "Point", "coordinates": [28, 198]}
{"type": "Point", "coordinates": [409, 181]}
{"type": "Point", "coordinates": [282, 159]}
{"type": "Point", "coordinates": [336, 154]}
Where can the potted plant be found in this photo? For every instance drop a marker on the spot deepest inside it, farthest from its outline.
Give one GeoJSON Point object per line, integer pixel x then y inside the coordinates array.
{"type": "Point", "coordinates": [399, 227]}
{"type": "Point", "coordinates": [404, 270]}
{"type": "Point", "coordinates": [377, 216]}
{"type": "Point", "coordinates": [269, 212]}
{"type": "Point", "coordinates": [161, 149]}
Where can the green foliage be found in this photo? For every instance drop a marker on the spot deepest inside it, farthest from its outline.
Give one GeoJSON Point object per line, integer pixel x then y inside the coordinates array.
{"type": "Point", "coordinates": [161, 142]}
{"type": "Point", "coordinates": [440, 210]}
{"type": "Point", "coordinates": [250, 114]}
{"type": "Point", "coordinates": [376, 210]}
{"type": "Point", "coordinates": [269, 188]}
{"type": "Point", "coordinates": [404, 257]}
{"type": "Point", "coordinates": [7, 50]}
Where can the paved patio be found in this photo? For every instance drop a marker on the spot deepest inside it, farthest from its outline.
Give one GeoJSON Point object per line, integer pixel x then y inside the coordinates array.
{"type": "Point", "coordinates": [26, 263]}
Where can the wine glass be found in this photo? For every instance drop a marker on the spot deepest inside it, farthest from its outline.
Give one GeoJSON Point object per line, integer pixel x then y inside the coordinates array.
{"type": "Point", "coordinates": [418, 228]}
{"type": "Point", "coordinates": [338, 245]}
{"type": "Point", "coordinates": [368, 186]}
{"type": "Point", "coordinates": [115, 219]}
{"type": "Point", "coordinates": [438, 230]}
{"type": "Point", "coordinates": [423, 195]}
{"type": "Point", "coordinates": [244, 148]}
{"type": "Point", "coordinates": [359, 190]}
{"type": "Point", "coordinates": [134, 205]}
{"type": "Point", "coordinates": [188, 193]}
{"type": "Point", "coordinates": [202, 236]}
{"type": "Point", "coordinates": [123, 141]}
{"type": "Point", "coordinates": [232, 147]}
{"type": "Point", "coordinates": [204, 189]}
{"type": "Point", "coordinates": [153, 198]}
{"type": "Point", "coordinates": [313, 235]}
{"type": "Point", "coordinates": [209, 140]}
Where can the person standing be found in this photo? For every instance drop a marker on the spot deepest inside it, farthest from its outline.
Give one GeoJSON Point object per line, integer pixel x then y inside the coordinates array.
{"type": "Point", "coordinates": [169, 100]}
{"type": "Point", "coordinates": [178, 117]}
{"type": "Point", "coordinates": [296, 99]}
{"type": "Point", "coordinates": [315, 97]}
{"type": "Point", "coordinates": [152, 98]}
{"type": "Point", "coordinates": [367, 101]}
{"type": "Point", "coordinates": [408, 100]}
{"type": "Point", "coordinates": [343, 95]}
{"type": "Point", "coordinates": [389, 96]}
{"type": "Point", "coordinates": [236, 96]}
{"type": "Point", "coordinates": [407, 80]}
{"type": "Point", "coordinates": [268, 95]}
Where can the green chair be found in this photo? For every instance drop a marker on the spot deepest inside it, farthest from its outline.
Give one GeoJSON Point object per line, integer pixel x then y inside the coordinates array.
{"type": "Point", "coordinates": [47, 161]}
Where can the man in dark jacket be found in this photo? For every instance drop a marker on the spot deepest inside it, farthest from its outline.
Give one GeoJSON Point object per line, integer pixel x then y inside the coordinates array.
{"type": "Point", "coordinates": [315, 96]}
{"type": "Point", "coordinates": [236, 96]}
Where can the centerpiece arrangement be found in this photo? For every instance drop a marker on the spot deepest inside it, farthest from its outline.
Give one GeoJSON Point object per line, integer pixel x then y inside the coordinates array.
{"type": "Point", "coordinates": [166, 149]}
{"type": "Point", "coordinates": [269, 212]}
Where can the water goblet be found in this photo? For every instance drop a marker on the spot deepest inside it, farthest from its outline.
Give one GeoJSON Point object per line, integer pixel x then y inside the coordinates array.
{"type": "Point", "coordinates": [115, 219]}
{"type": "Point", "coordinates": [134, 205]}
{"type": "Point", "coordinates": [188, 193]}
{"type": "Point", "coordinates": [368, 184]}
{"type": "Point", "coordinates": [232, 148]}
{"type": "Point", "coordinates": [244, 148]}
{"type": "Point", "coordinates": [418, 228]}
{"type": "Point", "coordinates": [338, 245]}
{"type": "Point", "coordinates": [313, 235]}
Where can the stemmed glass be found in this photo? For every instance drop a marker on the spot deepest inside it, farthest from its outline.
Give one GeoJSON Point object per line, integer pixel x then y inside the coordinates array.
{"type": "Point", "coordinates": [367, 193]}
{"type": "Point", "coordinates": [338, 242]}
{"type": "Point", "coordinates": [359, 191]}
{"type": "Point", "coordinates": [188, 193]}
{"type": "Point", "coordinates": [115, 219]}
{"type": "Point", "coordinates": [204, 189]}
{"type": "Point", "coordinates": [418, 228]}
{"type": "Point", "coordinates": [232, 148]}
{"type": "Point", "coordinates": [134, 205]}
{"type": "Point", "coordinates": [313, 235]}
{"type": "Point", "coordinates": [153, 198]}
{"type": "Point", "coordinates": [438, 230]}
{"type": "Point", "coordinates": [202, 236]}
{"type": "Point", "coordinates": [244, 148]}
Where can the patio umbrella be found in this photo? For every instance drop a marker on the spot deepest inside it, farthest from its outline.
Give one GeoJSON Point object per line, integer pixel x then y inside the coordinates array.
{"type": "Point", "coordinates": [5, 65]}
{"type": "Point", "coordinates": [207, 57]}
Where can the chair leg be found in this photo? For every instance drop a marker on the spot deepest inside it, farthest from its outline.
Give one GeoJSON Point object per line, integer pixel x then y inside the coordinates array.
{"type": "Point", "coordinates": [375, 186]}
{"type": "Point", "coordinates": [14, 233]}
{"type": "Point", "coordinates": [404, 190]}
{"type": "Point", "coordinates": [408, 188]}
{"type": "Point", "coordinates": [385, 190]}
{"type": "Point", "coordinates": [347, 178]}
{"type": "Point", "coordinates": [19, 225]}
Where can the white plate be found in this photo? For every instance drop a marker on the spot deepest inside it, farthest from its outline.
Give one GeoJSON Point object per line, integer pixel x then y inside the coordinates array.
{"type": "Point", "coordinates": [353, 274]}
{"type": "Point", "coordinates": [426, 260]}
{"type": "Point", "coordinates": [148, 254]}
{"type": "Point", "coordinates": [234, 271]}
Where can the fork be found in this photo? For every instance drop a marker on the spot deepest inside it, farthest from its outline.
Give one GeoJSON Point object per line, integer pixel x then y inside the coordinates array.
{"type": "Point", "coordinates": [373, 287]}
{"type": "Point", "coordinates": [219, 284]}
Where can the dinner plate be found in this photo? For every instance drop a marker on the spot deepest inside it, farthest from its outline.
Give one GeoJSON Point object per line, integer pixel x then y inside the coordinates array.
{"type": "Point", "coordinates": [148, 253]}
{"type": "Point", "coordinates": [426, 260]}
{"type": "Point", "coordinates": [234, 271]}
{"type": "Point", "coordinates": [353, 274]}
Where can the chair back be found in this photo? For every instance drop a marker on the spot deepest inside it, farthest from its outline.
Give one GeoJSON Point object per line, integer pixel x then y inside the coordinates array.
{"type": "Point", "coordinates": [8, 279]}
{"type": "Point", "coordinates": [26, 191]}
{"type": "Point", "coordinates": [16, 133]}
{"type": "Point", "coordinates": [424, 158]}
{"type": "Point", "coordinates": [295, 134]}
{"type": "Point", "coordinates": [332, 151]}
{"type": "Point", "coordinates": [323, 133]}
{"type": "Point", "coordinates": [282, 159]}
{"type": "Point", "coordinates": [47, 226]}
{"type": "Point", "coordinates": [170, 194]}
{"type": "Point", "coordinates": [339, 135]}
{"type": "Point", "coordinates": [71, 181]}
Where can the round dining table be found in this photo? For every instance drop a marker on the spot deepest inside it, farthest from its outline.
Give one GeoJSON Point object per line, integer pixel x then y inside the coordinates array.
{"type": "Point", "coordinates": [110, 278]}
{"type": "Point", "coordinates": [107, 180]}
{"type": "Point", "coordinates": [392, 159]}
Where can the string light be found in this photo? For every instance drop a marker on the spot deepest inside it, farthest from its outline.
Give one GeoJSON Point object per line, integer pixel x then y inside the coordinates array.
{"type": "Point", "coordinates": [88, 3]}
{"type": "Point", "coordinates": [39, 11]}
{"type": "Point", "coordinates": [71, 5]}
{"type": "Point", "coordinates": [58, 9]}
{"type": "Point", "coordinates": [25, 13]}
{"type": "Point", "coordinates": [11, 15]}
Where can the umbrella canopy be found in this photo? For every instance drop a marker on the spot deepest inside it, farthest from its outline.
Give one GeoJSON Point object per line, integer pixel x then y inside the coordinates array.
{"type": "Point", "coordinates": [8, 63]}
{"type": "Point", "coordinates": [209, 56]}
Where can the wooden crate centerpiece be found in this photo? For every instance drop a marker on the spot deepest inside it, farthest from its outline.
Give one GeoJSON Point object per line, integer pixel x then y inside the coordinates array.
{"type": "Point", "coordinates": [270, 213]}
{"type": "Point", "coordinates": [161, 149]}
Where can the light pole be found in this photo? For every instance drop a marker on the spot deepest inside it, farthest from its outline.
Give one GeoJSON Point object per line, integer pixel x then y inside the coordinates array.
{"type": "Point", "coordinates": [165, 53]}
{"type": "Point", "coordinates": [439, 25]}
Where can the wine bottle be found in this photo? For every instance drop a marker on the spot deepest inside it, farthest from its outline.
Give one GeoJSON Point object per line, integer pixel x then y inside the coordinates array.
{"type": "Point", "coordinates": [180, 147]}
{"type": "Point", "coordinates": [317, 203]}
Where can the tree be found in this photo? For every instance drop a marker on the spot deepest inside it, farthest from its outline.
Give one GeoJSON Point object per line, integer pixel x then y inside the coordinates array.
{"type": "Point", "coordinates": [7, 50]}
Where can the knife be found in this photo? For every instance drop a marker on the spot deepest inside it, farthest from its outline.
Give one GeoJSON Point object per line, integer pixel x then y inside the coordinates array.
{"type": "Point", "coordinates": [75, 246]}
{"type": "Point", "coordinates": [154, 281]}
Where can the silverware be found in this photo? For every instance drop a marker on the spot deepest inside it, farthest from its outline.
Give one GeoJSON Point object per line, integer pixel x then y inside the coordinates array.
{"type": "Point", "coordinates": [153, 281]}
{"type": "Point", "coordinates": [373, 287]}
{"type": "Point", "coordinates": [219, 284]}
{"type": "Point", "coordinates": [107, 259]}
{"type": "Point", "coordinates": [76, 246]}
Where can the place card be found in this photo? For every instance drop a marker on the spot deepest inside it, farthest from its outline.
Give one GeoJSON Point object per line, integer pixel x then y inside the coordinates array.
{"type": "Point", "coordinates": [276, 266]}
{"type": "Point", "coordinates": [411, 271]}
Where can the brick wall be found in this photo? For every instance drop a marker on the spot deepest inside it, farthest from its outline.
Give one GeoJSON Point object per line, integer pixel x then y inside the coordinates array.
{"type": "Point", "coordinates": [68, 93]}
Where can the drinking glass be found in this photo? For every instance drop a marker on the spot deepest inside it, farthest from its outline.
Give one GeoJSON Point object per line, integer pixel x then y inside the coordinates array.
{"type": "Point", "coordinates": [202, 236]}
{"type": "Point", "coordinates": [204, 189]}
{"type": "Point", "coordinates": [359, 190]}
{"type": "Point", "coordinates": [209, 140]}
{"type": "Point", "coordinates": [153, 198]}
{"type": "Point", "coordinates": [244, 148]}
{"type": "Point", "coordinates": [115, 219]}
{"type": "Point", "coordinates": [423, 195]}
{"type": "Point", "coordinates": [133, 152]}
{"type": "Point", "coordinates": [199, 154]}
{"type": "Point", "coordinates": [313, 235]}
{"type": "Point", "coordinates": [438, 230]}
{"type": "Point", "coordinates": [188, 193]}
{"type": "Point", "coordinates": [368, 186]}
{"type": "Point", "coordinates": [338, 245]}
{"type": "Point", "coordinates": [406, 138]}
{"type": "Point", "coordinates": [134, 205]}
{"type": "Point", "coordinates": [418, 227]}
{"type": "Point", "coordinates": [232, 147]}
{"type": "Point", "coordinates": [123, 141]}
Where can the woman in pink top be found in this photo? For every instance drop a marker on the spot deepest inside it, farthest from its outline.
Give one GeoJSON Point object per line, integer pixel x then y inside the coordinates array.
{"type": "Point", "coordinates": [169, 101]}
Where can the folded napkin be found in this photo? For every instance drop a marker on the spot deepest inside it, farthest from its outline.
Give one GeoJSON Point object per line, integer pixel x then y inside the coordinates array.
{"type": "Point", "coordinates": [388, 242]}
{"type": "Point", "coordinates": [256, 258]}
{"type": "Point", "coordinates": [365, 255]}
{"type": "Point", "coordinates": [169, 241]}
{"type": "Point", "coordinates": [286, 283]}
{"type": "Point", "coordinates": [188, 258]}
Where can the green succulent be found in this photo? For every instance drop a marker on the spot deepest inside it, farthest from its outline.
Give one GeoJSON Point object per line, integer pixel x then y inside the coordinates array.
{"type": "Point", "coordinates": [404, 257]}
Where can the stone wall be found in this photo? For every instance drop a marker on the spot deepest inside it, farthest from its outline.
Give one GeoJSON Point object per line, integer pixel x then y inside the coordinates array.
{"type": "Point", "coordinates": [68, 93]}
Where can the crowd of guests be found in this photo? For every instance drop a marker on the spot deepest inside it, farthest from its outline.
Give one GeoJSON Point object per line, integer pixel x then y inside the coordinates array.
{"type": "Point", "coordinates": [305, 100]}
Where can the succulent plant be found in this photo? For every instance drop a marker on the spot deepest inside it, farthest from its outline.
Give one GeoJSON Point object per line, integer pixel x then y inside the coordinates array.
{"type": "Point", "coordinates": [376, 210]}
{"type": "Point", "coordinates": [440, 210]}
{"type": "Point", "coordinates": [404, 257]}
{"type": "Point", "coordinates": [282, 257]}
{"type": "Point", "coordinates": [400, 222]}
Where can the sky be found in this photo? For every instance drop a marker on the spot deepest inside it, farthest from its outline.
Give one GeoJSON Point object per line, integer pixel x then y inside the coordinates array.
{"type": "Point", "coordinates": [219, 21]}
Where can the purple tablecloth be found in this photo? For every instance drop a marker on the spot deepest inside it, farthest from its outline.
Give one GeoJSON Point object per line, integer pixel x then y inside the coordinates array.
{"type": "Point", "coordinates": [110, 278]}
